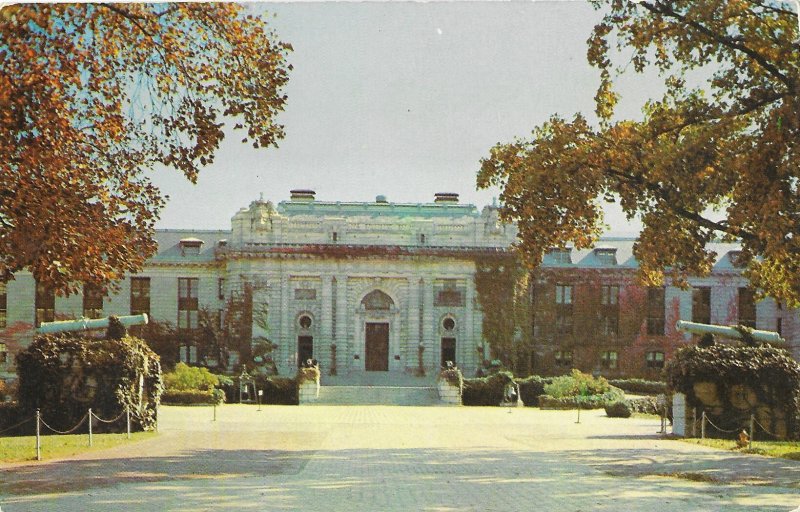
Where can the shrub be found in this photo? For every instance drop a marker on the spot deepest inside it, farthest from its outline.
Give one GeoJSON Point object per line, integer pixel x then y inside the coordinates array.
{"type": "Point", "coordinates": [640, 386]}
{"type": "Point", "coordinates": [531, 388]}
{"type": "Point", "coordinates": [8, 391]}
{"type": "Point", "coordinates": [576, 383]}
{"type": "Point", "coordinates": [453, 376]}
{"type": "Point", "coordinates": [190, 378]}
{"type": "Point", "coordinates": [11, 415]}
{"type": "Point", "coordinates": [618, 409]}
{"type": "Point", "coordinates": [585, 402]}
{"type": "Point", "coordinates": [278, 390]}
{"type": "Point", "coordinates": [769, 373]}
{"type": "Point", "coordinates": [63, 375]}
{"type": "Point", "coordinates": [192, 397]}
{"type": "Point", "coordinates": [486, 390]}
{"type": "Point", "coordinates": [646, 405]}
{"type": "Point", "coordinates": [307, 374]}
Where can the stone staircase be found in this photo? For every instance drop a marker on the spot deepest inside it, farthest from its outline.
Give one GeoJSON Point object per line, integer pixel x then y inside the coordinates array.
{"type": "Point", "coordinates": [377, 395]}
{"type": "Point", "coordinates": [378, 388]}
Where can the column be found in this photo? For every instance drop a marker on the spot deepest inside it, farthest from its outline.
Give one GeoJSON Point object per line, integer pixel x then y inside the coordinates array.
{"type": "Point", "coordinates": [288, 350]}
{"type": "Point", "coordinates": [344, 350]}
{"type": "Point", "coordinates": [409, 349]}
{"type": "Point", "coordinates": [429, 327]}
{"type": "Point", "coordinates": [322, 346]}
{"type": "Point", "coordinates": [468, 343]}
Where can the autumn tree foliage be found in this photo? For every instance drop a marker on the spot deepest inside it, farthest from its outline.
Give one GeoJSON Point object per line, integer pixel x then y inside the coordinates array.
{"type": "Point", "coordinates": [95, 96]}
{"type": "Point", "coordinates": [712, 158]}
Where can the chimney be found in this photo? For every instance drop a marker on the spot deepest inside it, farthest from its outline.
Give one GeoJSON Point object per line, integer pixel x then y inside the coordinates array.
{"type": "Point", "coordinates": [302, 195]}
{"type": "Point", "coordinates": [446, 198]}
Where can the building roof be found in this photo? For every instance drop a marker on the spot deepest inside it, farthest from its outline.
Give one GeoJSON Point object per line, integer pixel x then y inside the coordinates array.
{"type": "Point", "coordinates": [169, 245]}
{"type": "Point", "coordinates": [375, 209]}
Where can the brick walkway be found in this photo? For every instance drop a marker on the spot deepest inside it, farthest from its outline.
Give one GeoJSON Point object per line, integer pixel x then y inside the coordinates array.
{"type": "Point", "coordinates": [402, 458]}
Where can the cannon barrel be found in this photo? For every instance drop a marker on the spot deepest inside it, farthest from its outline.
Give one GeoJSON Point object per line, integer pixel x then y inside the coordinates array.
{"type": "Point", "coordinates": [83, 324]}
{"type": "Point", "coordinates": [727, 332]}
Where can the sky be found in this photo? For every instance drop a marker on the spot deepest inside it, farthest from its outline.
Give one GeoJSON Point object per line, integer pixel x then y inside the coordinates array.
{"type": "Point", "coordinates": [403, 99]}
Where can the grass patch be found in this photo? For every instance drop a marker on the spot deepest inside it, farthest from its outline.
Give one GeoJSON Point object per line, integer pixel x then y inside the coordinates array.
{"type": "Point", "coordinates": [782, 449]}
{"type": "Point", "coordinates": [19, 449]}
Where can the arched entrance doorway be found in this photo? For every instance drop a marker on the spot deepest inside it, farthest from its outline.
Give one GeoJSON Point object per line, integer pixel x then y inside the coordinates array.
{"type": "Point", "coordinates": [377, 305]}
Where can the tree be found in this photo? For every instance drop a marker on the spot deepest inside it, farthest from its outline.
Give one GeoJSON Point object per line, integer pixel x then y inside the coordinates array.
{"type": "Point", "coordinates": [92, 97]}
{"type": "Point", "coordinates": [713, 160]}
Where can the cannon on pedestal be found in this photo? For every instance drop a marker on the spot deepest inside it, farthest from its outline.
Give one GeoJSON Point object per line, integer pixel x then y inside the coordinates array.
{"type": "Point", "coordinates": [727, 332]}
{"type": "Point", "coordinates": [85, 324]}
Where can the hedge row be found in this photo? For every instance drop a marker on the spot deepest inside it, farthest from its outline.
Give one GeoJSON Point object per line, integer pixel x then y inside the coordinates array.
{"type": "Point", "coordinates": [486, 390]}
{"type": "Point", "coordinates": [531, 388]}
{"type": "Point", "coordinates": [279, 390]}
{"type": "Point", "coordinates": [640, 386]}
{"type": "Point", "coordinates": [584, 402]}
{"type": "Point", "coordinates": [192, 397]}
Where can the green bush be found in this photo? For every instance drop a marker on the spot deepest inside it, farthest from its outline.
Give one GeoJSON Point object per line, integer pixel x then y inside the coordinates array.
{"type": "Point", "coordinates": [192, 397]}
{"type": "Point", "coordinates": [640, 386]}
{"type": "Point", "coordinates": [310, 374]}
{"type": "Point", "coordinates": [576, 383]}
{"type": "Point", "coordinates": [278, 390]}
{"type": "Point", "coordinates": [64, 375]}
{"type": "Point", "coordinates": [770, 373]}
{"type": "Point", "coordinates": [453, 376]}
{"type": "Point", "coordinates": [531, 388]}
{"type": "Point", "coordinates": [619, 409]}
{"type": "Point", "coordinates": [190, 378]}
{"type": "Point", "coordinates": [11, 415]}
{"type": "Point", "coordinates": [646, 405]}
{"type": "Point", "coordinates": [585, 402]}
{"type": "Point", "coordinates": [486, 390]}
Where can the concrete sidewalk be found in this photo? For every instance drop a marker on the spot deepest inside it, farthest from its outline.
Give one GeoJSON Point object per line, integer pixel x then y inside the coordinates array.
{"type": "Point", "coordinates": [358, 458]}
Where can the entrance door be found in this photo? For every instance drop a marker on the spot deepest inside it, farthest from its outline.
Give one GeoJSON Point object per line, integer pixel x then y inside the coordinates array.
{"type": "Point", "coordinates": [448, 351]}
{"type": "Point", "coordinates": [376, 358]}
{"type": "Point", "coordinates": [305, 349]}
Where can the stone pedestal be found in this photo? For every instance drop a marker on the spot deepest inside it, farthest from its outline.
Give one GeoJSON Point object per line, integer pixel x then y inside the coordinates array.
{"type": "Point", "coordinates": [679, 412]}
{"type": "Point", "coordinates": [448, 393]}
{"type": "Point", "coordinates": [308, 391]}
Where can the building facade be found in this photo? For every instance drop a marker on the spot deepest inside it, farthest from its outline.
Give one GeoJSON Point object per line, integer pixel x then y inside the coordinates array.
{"type": "Point", "coordinates": [388, 287]}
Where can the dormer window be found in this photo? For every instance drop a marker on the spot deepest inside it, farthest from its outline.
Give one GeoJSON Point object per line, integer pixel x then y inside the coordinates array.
{"type": "Point", "coordinates": [190, 246]}
{"type": "Point", "coordinates": [737, 259]}
{"type": "Point", "coordinates": [606, 256]}
{"type": "Point", "coordinates": [561, 256]}
{"type": "Point", "coordinates": [422, 238]}
{"type": "Point", "coordinates": [335, 237]}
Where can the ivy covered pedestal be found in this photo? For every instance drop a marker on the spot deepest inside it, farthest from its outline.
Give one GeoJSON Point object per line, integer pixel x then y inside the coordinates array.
{"type": "Point", "coordinates": [308, 385]}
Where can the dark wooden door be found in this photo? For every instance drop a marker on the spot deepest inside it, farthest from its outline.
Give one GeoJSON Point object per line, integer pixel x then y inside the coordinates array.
{"type": "Point", "coordinates": [376, 358]}
{"type": "Point", "coordinates": [448, 351]}
{"type": "Point", "coordinates": [305, 349]}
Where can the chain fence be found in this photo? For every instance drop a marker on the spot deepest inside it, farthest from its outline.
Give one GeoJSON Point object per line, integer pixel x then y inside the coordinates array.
{"type": "Point", "coordinates": [90, 416]}
{"type": "Point", "coordinates": [746, 428]}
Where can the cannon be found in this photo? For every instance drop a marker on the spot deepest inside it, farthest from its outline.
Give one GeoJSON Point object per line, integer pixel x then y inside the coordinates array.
{"type": "Point", "coordinates": [727, 332]}
{"type": "Point", "coordinates": [85, 324]}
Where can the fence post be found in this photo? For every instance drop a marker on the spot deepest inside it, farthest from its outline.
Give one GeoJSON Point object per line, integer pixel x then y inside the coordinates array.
{"type": "Point", "coordinates": [752, 430]}
{"type": "Point", "coordinates": [703, 426]}
{"type": "Point", "coordinates": [90, 427]}
{"type": "Point", "coordinates": [694, 422]}
{"type": "Point", "coordinates": [215, 412]}
{"type": "Point", "coordinates": [128, 420]}
{"type": "Point", "coordinates": [38, 436]}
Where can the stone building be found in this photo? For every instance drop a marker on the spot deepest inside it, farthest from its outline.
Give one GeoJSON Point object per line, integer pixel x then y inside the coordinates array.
{"type": "Point", "coordinates": [389, 287]}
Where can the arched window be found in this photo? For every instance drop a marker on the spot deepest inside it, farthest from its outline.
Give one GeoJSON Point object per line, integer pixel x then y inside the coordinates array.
{"type": "Point", "coordinates": [376, 300]}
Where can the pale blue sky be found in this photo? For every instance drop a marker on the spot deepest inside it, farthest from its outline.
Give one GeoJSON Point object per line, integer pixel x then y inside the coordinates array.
{"type": "Point", "coordinates": [404, 99]}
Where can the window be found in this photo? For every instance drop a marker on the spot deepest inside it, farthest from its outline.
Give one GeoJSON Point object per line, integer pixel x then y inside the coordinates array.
{"type": "Point", "coordinates": [221, 288]}
{"type": "Point", "coordinates": [92, 301]}
{"type": "Point", "coordinates": [45, 304]}
{"type": "Point", "coordinates": [654, 359]}
{"type": "Point", "coordinates": [188, 354]}
{"type": "Point", "coordinates": [3, 353]}
{"type": "Point", "coordinates": [305, 321]}
{"type": "Point", "coordinates": [563, 358]}
{"type": "Point", "coordinates": [564, 294]}
{"type": "Point", "coordinates": [449, 324]}
{"type": "Point", "coordinates": [3, 304]}
{"type": "Point", "coordinates": [701, 305]}
{"type": "Point", "coordinates": [422, 239]}
{"type": "Point", "coordinates": [561, 256]}
{"type": "Point", "coordinates": [335, 237]}
{"type": "Point", "coordinates": [608, 359]}
{"type": "Point", "coordinates": [609, 309]}
{"type": "Point", "coordinates": [655, 311]}
{"type": "Point", "coordinates": [187, 302]}
{"type": "Point", "coordinates": [305, 294]}
{"type": "Point", "coordinates": [779, 326]}
{"type": "Point", "coordinates": [190, 246]}
{"type": "Point", "coordinates": [606, 256]}
{"type": "Point", "coordinates": [140, 295]}
{"type": "Point", "coordinates": [447, 293]}
{"type": "Point", "coordinates": [747, 308]}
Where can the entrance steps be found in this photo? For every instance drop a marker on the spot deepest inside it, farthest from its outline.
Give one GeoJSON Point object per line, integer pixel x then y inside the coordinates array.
{"type": "Point", "coordinates": [377, 395]}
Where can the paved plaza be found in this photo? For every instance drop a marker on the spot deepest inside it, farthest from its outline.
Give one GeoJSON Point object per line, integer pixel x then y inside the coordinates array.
{"type": "Point", "coordinates": [363, 458]}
